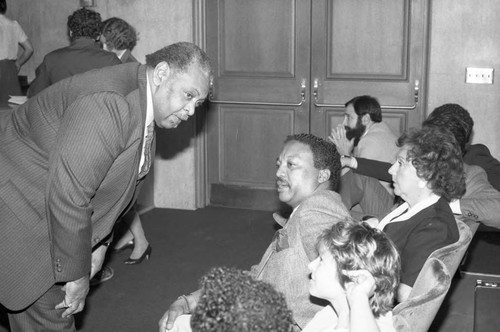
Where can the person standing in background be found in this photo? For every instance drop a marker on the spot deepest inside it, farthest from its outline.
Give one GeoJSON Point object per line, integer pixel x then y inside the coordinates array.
{"type": "Point", "coordinates": [83, 54]}
{"type": "Point", "coordinates": [11, 36]}
{"type": "Point", "coordinates": [120, 38]}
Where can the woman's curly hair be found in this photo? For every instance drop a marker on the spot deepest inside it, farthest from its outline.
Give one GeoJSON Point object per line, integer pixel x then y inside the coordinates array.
{"type": "Point", "coordinates": [436, 156]}
{"type": "Point", "coordinates": [357, 246]}
{"type": "Point", "coordinates": [233, 300]}
{"type": "Point", "coordinates": [325, 155]}
{"type": "Point", "coordinates": [84, 23]}
{"type": "Point", "coordinates": [119, 34]}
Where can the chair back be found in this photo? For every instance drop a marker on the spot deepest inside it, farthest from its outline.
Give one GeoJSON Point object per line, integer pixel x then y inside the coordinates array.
{"type": "Point", "coordinates": [418, 311]}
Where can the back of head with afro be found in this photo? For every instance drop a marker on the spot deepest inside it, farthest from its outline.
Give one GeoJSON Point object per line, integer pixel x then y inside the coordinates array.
{"type": "Point", "coordinates": [233, 300]}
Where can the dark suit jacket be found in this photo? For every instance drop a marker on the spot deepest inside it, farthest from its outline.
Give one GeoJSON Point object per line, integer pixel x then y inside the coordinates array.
{"type": "Point", "coordinates": [479, 154]}
{"type": "Point", "coordinates": [82, 55]}
{"type": "Point", "coordinates": [69, 161]}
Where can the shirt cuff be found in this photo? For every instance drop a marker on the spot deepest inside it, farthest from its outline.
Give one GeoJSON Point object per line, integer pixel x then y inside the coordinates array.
{"type": "Point", "coordinates": [455, 206]}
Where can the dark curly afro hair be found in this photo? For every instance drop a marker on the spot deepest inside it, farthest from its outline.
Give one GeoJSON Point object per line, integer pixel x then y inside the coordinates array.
{"type": "Point", "coordinates": [233, 301]}
{"type": "Point", "coordinates": [454, 118]}
{"type": "Point", "coordinates": [85, 23]}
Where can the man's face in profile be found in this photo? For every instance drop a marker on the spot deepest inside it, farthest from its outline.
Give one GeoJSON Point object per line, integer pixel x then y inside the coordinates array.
{"type": "Point", "coordinates": [296, 177]}
{"type": "Point", "coordinates": [353, 125]}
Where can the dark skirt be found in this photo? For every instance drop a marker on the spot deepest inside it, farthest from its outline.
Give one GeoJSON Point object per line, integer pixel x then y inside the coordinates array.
{"type": "Point", "coordinates": [9, 83]}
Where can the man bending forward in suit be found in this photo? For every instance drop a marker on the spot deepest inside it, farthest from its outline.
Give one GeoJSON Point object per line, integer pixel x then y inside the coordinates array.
{"type": "Point", "coordinates": [70, 160]}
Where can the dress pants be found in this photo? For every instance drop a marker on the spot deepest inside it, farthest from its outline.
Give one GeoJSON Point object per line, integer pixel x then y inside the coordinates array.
{"type": "Point", "coordinates": [9, 82]}
{"type": "Point", "coordinates": [366, 191]}
{"type": "Point", "coordinates": [41, 315]}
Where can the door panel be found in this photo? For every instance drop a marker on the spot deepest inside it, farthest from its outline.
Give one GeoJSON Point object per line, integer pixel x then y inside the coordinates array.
{"type": "Point", "coordinates": [243, 150]}
{"type": "Point", "coordinates": [262, 50]}
{"type": "Point", "coordinates": [258, 94]}
{"type": "Point", "coordinates": [255, 44]}
{"type": "Point", "coordinates": [268, 54]}
{"type": "Point", "coordinates": [364, 58]}
{"type": "Point", "coordinates": [367, 48]}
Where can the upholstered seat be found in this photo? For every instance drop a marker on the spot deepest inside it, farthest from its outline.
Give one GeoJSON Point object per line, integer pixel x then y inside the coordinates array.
{"type": "Point", "coordinates": [418, 311]}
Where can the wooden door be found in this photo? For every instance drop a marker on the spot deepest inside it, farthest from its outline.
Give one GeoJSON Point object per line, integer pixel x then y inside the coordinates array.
{"type": "Point", "coordinates": [258, 94]}
{"type": "Point", "coordinates": [376, 48]}
{"type": "Point", "coordinates": [288, 66]}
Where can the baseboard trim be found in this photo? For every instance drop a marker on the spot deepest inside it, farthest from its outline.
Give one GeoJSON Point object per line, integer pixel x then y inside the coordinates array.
{"type": "Point", "coordinates": [244, 197]}
{"type": "Point", "coordinates": [144, 209]}
{"type": "Point", "coordinates": [477, 274]}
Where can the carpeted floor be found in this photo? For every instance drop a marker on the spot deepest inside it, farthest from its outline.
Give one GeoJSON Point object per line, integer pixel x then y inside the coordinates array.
{"type": "Point", "coordinates": [187, 243]}
{"type": "Point", "coordinates": [484, 252]}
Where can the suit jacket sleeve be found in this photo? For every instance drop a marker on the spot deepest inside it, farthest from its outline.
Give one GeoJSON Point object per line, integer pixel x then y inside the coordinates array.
{"type": "Point", "coordinates": [89, 140]}
{"type": "Point", "coordinates": [480, 155]}
{"type": "Point", "coordinates": [373, 168]}
{"type": "Point", "coordinates": [314, 220]}
{"type": "Point", "coordinates": [41, 80]}
{"type": "Point", "coordinates": [481, 201]}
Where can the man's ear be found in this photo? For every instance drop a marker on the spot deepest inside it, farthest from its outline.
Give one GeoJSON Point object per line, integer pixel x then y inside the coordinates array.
{"type": "Point", "coordinates": [365, 120]}
{"type": "Point", "coordinates": [324, 175]}
{"type": "Point", "coordinates": [161, 72]}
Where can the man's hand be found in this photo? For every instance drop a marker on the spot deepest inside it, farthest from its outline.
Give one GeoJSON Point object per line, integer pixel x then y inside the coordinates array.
{"type": "Point", "coordinates": [74, 300]}
{"type": "Point", "coordinates": [179, 307]}
{"type": "Point", "coordinates": [338, 137]}
{"type": "Point", "coordinates": [97, 259]}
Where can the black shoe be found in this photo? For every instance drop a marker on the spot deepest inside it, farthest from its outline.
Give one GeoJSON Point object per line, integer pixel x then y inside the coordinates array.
{"type": "Point", "coordinates": [105, 274]}
{"type": "Point", "coordinates": [145, 255]}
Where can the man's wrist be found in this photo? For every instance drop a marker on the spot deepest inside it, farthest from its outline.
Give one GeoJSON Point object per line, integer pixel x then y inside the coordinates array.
{"type": "Point", "coordinates": [189, 302]}
{"type": "Point", "coordinates": [185, 300]}
{"type": "Point", "coordinates": [348, 161]}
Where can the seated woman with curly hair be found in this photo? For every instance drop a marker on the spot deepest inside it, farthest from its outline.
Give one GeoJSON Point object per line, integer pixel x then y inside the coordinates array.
{"type": "Point", "coordinates": [232, 300]}
{"type": "Point", "coordinates": [357, 272]}
{"type": "Point", "coordinates": [427, 175]}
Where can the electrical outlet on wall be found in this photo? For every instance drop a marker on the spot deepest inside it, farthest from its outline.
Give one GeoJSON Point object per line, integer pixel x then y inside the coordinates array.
{"type": "Point", "coordinates": [479, 75]}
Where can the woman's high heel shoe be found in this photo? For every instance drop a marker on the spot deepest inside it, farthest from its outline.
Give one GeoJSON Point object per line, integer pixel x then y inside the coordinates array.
{"type": "Point", "coordinates": [128, 245]}
{"type": "Point", "coordinates": [145, 255]}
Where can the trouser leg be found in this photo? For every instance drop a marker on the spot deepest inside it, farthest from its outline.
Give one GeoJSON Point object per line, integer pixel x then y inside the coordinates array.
{"type": "Point", "coordinates": [41, 315]}
{"type": "Point", "coordinates": [366, 191]}
{"type": "Point", "coordinates": [376, 200]}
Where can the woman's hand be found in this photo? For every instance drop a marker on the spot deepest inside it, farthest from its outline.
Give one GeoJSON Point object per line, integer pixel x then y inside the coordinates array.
{"type": "Point", "coordinates": [362, 285]}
